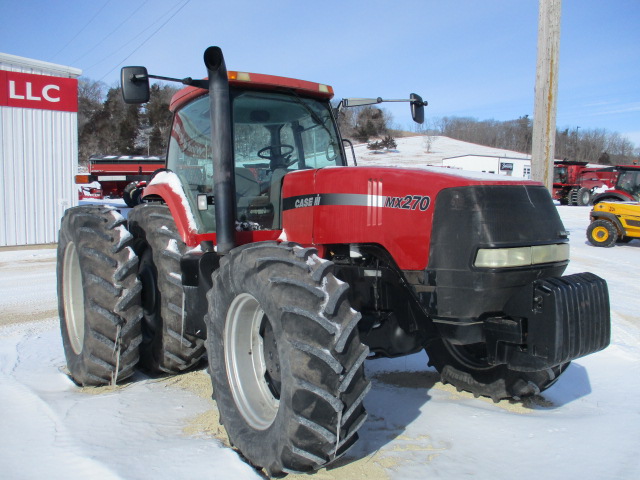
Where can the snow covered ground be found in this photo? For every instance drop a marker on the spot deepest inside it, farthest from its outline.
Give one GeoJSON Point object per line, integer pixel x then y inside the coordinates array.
{"type": "Point", "coordinates": [586, 426]}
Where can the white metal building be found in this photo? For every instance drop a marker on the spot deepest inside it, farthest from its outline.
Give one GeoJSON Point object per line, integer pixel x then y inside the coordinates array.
{"type": "Point", "coordinates": [38, 148]}
{"type": "Point", "coordinates": [510, 166]}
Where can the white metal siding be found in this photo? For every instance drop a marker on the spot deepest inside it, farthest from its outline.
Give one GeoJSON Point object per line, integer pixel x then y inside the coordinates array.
{"type": "Point", "coordinates": [38, 161]}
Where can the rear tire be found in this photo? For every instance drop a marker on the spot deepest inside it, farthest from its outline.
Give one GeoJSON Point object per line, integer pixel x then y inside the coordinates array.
{"type": "Point", "coordinates": [165, 347]}
{"type": "Point", "coordinates": [465, 367]}
{"type": "Point", "coordinates": [602, 233]}
{"type": "Point", "coordinates": [285, 357]}
{"type": "Point", "coordinates": [98, 296]}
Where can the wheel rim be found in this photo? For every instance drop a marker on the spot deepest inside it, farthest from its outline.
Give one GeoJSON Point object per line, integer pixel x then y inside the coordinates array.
{"type": "Point", "coordinates": [601, 234]}
{"type": "Point", "coordinates": [73, 295]}
{"type": "Point", "coordinates": [254, 389]}
{"type": "Point", "coordinates": [585, 198]}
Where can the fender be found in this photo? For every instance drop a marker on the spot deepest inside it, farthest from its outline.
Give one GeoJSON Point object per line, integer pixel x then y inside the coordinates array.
{"type": "Point", "coordinates": [612, 195]}
{"type": "Point", "coordinates": [608, 216]}
{"type": "Point", "coordinates": [167, 186]}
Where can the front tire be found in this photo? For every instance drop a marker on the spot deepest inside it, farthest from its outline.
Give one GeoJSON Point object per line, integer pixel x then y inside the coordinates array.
{"type": "Point", "coordinates": [285, 357]}
{"type": "Point", "coordinates": [466, 368]}
{"type": "Point", "coordinates": [602, 233]}
{"type": "Point", "coordinates": [165, 348]}
{"type": "Point", "coordinates": [583, 197]}
{"type": "Point", "coordinates": [98, 296]}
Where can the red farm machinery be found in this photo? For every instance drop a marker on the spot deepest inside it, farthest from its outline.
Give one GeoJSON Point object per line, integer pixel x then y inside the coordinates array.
{"type": "Point", "coordinates": [117, 176]}
{"type": "Point", "coordinates": [260, 250]}
{"type": "Point", "coordinates": [626, 187]}
{"type": "Point", "coordinates": [576, 183]}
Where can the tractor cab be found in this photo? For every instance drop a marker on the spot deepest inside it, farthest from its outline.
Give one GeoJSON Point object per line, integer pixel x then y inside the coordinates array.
{"type": "Point", "coordinates": [626, 187]}
{"type": "Point", "coordinates": [629, 182]}
{"type": "Point", "coordinates": [274, 133]}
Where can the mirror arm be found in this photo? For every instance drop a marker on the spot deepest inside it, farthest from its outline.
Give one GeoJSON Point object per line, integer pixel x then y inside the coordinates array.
{"type": "Point", "coordinates": [185, 81]}
{"type": "Point", "coordinates": [417, 103]}
{"type": "Point", "coordinates": [344, 103]}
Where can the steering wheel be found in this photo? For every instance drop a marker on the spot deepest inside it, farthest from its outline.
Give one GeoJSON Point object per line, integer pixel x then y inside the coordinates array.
{"type": "Point", "coordinates": [273, 153]}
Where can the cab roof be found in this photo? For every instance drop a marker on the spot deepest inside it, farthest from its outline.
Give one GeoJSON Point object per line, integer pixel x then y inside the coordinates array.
{"type": "Point", "coordinates": [257, 81]}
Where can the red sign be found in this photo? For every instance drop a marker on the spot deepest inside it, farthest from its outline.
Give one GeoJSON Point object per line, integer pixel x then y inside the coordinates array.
{"type": "Point", "coordinates": [43, 92]}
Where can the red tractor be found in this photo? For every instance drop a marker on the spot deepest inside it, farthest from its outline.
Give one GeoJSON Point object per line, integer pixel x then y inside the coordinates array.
{"type": "Point", "coordinates": [575, 184]}
{"type": "Point", "coordinates": [626, 187]}
{"type": "Point", "coordinates": [260, 249]}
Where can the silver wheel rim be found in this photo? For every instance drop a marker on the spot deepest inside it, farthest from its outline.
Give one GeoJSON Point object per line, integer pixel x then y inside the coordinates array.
{"type": "Point", "coordinates": [73, 295]}
{"type": "Point", "coordinates": [245, 363]}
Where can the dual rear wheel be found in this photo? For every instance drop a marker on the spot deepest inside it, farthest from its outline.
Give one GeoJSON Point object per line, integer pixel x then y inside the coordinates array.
{"type": "Point", "coordinates": [120, 294]}
{"type": "Point", "coordinates": [286, 362]}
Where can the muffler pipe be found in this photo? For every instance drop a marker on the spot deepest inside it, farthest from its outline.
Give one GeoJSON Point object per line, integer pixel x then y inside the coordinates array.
{"type": "Point", "coordinates": [224, 188]}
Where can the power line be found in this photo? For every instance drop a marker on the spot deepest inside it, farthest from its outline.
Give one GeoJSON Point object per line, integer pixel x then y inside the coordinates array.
{"type": "Point", "coordinates": [149, 37]}
{"type": "Point", "coordinates": [171, 13]}
{"type": "Point", "coordinates": [100, 42]}
{"type": "Point", "coordinates": [83, 28]}
{"type": "Point", "coordinates": [129, 41]}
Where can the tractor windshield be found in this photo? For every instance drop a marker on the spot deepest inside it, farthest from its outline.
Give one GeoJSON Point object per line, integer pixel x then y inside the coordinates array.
{"type": "Point", "coordinates": [274, 133]}
{"type": "Point", "coordinates": [629, 181]}
{"type": "Point", "coordinates": [560, 175]}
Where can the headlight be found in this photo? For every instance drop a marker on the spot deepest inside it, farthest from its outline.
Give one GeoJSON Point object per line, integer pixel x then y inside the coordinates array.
{"type": "Point", "coordinates": [503, 257]}
{"type": "Point", "coordinates": [549, 253]}
{"type": "Point", "coordinates": [521, 256]}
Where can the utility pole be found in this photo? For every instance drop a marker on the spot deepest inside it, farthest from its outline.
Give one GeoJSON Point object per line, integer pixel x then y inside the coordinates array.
{"type": "Point", "coordinates": [546, 92]}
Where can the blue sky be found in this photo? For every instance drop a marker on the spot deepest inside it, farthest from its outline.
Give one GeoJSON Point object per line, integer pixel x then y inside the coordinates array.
{"type": "Point", "coordinates": [473, 58]}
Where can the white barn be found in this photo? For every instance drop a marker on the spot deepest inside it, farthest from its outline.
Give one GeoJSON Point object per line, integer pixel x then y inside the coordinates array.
{"type": "Point", "coordinates": [38, 148]}
{"type": "Point", "coordinates": [510, 166]}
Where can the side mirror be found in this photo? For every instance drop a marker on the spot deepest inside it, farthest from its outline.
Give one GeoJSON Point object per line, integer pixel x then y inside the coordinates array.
{"type": "Point", "coordinates": [135, 84]}
{"type": "Point", "coordinates": [417, 108]}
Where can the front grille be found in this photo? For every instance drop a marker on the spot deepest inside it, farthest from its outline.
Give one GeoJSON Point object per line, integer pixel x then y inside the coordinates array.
{"type": "Point", "coordinates": [487, 216]}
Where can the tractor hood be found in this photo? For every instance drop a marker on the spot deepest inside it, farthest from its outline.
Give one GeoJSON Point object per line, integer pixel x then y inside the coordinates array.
{"type": "Point", "coordinates": [395, 208]}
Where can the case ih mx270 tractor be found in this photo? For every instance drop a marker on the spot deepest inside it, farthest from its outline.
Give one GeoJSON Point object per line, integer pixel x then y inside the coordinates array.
{"type": "Point", "coordinates": [261, 249]}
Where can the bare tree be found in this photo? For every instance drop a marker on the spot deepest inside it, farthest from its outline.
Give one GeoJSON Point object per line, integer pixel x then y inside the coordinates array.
{"type": "Point", "coordinates": [156, 119]}
{"type": "Point", "coordinates": [90, 98]}
{"type": "Point", "coordinates": [585, 145]}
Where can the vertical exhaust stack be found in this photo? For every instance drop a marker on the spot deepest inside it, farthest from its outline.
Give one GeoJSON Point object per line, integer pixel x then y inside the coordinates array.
{"type": "Point", "coordinates": [221, 149]}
